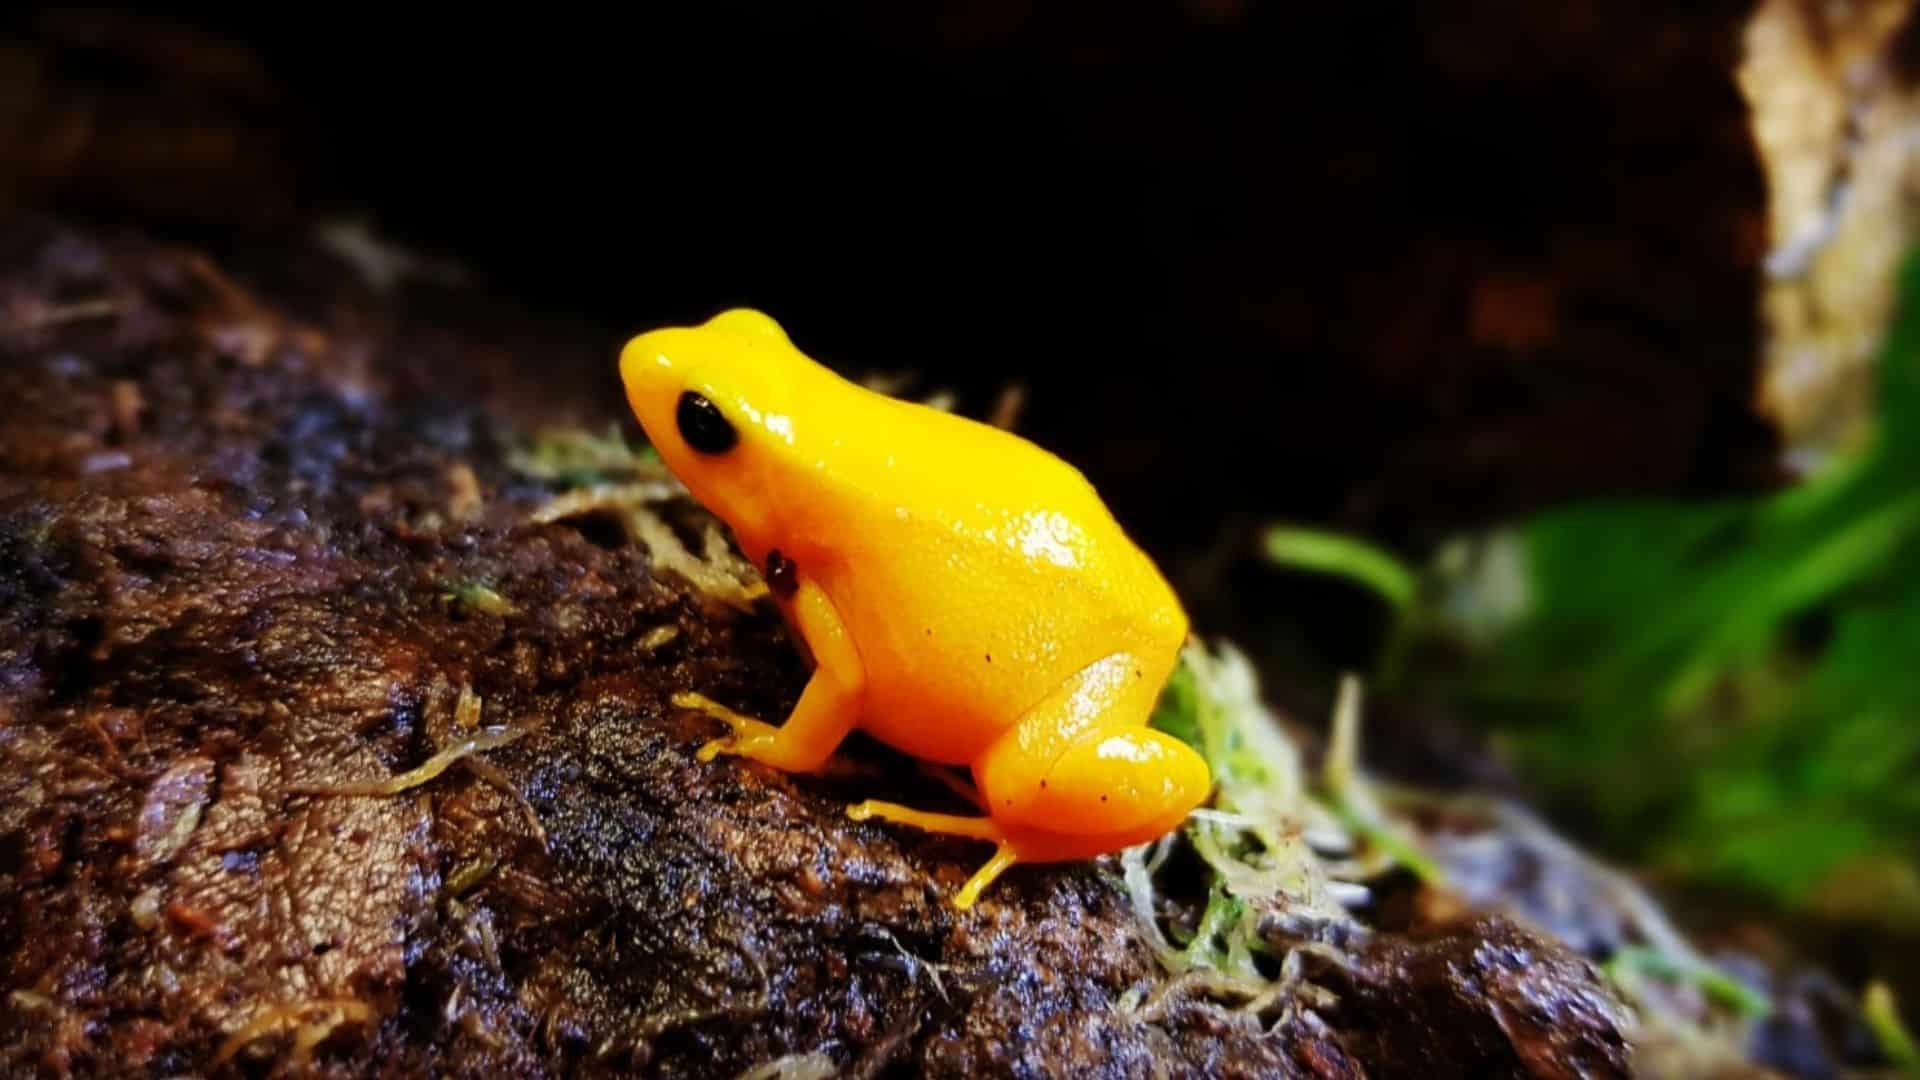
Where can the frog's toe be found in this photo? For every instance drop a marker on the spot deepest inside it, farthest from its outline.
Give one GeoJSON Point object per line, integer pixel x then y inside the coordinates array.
{"type": "Point", "coordinates": [1004, 857]}
{"type": "Point", "coordinates": [1006, 850]}
{"type": "Point", "coordinates": [715, 748]}
{"type": "Point", "coordinates": [748, 736]}
{"type": "Point", "coordinates": [687, 699]}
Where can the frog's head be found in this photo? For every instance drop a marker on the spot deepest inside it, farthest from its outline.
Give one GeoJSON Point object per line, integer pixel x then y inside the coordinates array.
{"type": "Point", "coordinates": [715, 400]}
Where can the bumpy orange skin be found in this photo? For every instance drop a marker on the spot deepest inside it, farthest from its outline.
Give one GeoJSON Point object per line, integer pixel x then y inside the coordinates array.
{"type": "Point", "coordinates": [966, 596]}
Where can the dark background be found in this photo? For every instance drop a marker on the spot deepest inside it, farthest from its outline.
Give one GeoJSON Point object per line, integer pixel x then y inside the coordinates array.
{"type": "Point", "coordinates": [1396, 268]}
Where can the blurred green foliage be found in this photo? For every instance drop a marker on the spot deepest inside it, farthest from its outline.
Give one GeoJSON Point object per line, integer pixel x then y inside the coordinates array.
{"type": "Point", "coordinates": [1730, 688]}
{"type": "Point", "coordinates": [575, 458]}
{"type": "Point", "coordinates": [1896, 1042]}
{"type": "Point", "coordinates": [1250, 841]}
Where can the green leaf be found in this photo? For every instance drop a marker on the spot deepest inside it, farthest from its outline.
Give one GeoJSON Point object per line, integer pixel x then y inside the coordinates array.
{"type": "Point", "coordinates": [1728, 686]}
{"type": "Point", "coordinates": [1896, 1041]}
{"type": "Point", "coordinates": [1319, 552]}
{"type": "Point", "coordinates": [1716, 984]}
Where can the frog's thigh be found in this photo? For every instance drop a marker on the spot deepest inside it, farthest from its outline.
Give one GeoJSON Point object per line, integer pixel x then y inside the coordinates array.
{"type": "Point", "coordinates": [1129, 783]}
{"type": "Point", "coordinates": [830, 705]}
{"type": "Point", "coordinates": [1083, 761]}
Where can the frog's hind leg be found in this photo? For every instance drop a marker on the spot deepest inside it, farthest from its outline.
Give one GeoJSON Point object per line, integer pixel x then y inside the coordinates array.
{"type": "Point", "coordinates": [1082, 762]}
{"type": "Point", "coordinates": [973, 828]}
{"type": "Point", "coordinates": [1078, 775]}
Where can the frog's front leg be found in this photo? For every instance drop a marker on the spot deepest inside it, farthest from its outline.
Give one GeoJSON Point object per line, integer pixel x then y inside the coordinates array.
{"type": "Point", "coordinates": [828, 709]}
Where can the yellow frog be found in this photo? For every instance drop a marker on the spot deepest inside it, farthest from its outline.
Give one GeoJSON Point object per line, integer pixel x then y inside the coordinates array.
{"type": "Point", "coordinates": [966, 596]}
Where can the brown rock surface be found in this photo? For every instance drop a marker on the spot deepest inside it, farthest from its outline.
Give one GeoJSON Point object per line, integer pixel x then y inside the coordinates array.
{"type": "Point", "coordinates": [229, 572]}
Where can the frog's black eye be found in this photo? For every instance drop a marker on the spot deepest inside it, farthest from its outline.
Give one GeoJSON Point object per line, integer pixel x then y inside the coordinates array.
{"type": "Point", "coordinates": [702, 425]}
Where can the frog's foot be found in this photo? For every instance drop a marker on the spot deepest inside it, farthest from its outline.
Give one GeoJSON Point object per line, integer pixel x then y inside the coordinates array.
{"type": "Point", "coordinates": [973, 828]}
{"type": "Point", "coordinates": [751, 738]}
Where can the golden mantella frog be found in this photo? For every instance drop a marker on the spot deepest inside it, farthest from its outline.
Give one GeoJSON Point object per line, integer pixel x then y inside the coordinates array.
{"type": "Point", "coordinates": [966, 596]}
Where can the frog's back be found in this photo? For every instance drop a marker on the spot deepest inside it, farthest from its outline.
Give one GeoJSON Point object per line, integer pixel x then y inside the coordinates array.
{"type": "Point", "coordinates": [978, 572]}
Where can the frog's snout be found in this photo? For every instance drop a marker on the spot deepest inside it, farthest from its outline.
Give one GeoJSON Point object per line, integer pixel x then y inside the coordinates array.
{"type": "Point", "coordinates": [647, 373]}
{"type": "Point", "coordinates": [748, 322]}
{"type": "Point", "coordinates": [645, 364]}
